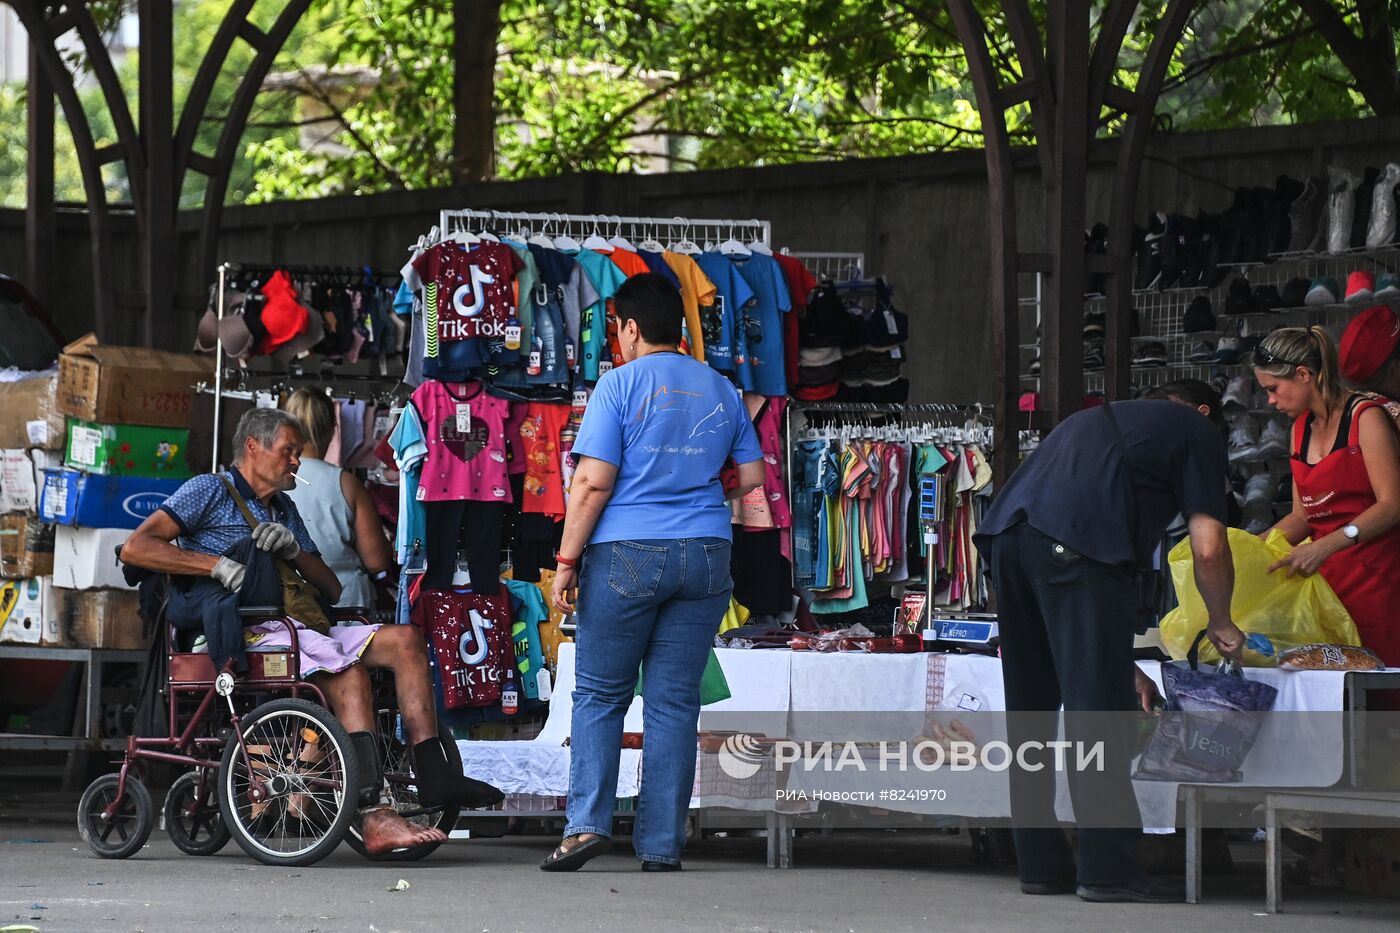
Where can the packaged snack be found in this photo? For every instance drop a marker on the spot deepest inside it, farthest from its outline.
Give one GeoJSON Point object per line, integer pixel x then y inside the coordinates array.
{"type": "Point", "coordinates": [1329, 658]}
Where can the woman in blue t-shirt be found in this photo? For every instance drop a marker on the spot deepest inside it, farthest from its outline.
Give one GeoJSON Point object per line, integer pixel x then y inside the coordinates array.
{"type": "Point", "coordinates": [646, 554]}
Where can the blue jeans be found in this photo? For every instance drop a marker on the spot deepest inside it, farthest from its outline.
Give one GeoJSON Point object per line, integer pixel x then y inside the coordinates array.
{"type": "Point", "coordinates": [806, 503]}
{"type": "Point", "coordinates": [659, 602]}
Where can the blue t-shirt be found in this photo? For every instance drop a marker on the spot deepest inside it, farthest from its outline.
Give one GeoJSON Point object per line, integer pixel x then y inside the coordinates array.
{"type": "Point", "coordinates": [211, 523]}
{"type": "Point", "coordinates": [732, 295]}
{"type": "Point", "coordinates": [762, 369]}
{"type": "Point", "coordinates": [668, 423]}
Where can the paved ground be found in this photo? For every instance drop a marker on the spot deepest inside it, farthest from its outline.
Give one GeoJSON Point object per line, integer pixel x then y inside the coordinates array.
{"type": "Point", "coordinates": [865, 881]}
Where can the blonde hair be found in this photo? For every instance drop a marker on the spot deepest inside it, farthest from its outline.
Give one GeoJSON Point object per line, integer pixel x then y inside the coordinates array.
{"type": "Point", "coordinates": [1312, 347]}
{"type": "Point", "coordinates": [316, 412]}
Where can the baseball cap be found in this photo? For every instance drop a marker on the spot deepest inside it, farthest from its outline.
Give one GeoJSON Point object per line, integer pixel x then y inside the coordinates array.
{"type": "Point", "coordinates": [1368, 342]}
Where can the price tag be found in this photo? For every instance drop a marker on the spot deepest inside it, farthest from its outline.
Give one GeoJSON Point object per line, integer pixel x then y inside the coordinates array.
{"type": "Point", "coordinates": [896, 353]}
{"type": "Point", "coordinates": [569, 353]}
{"type": "Point", "coordinates": [544, 684]}
{"type": "Point", "coordinates": [605, 366]}
{"type": "Point", "coordinates": [513, 331]}
{"type": "Point", "coordinates": [533, 366]}
{"type": "Point", "coordinates": [891, 327]}
{"type": "Point", "coordinates": [464, 418]}
{"type": "Point", "coordinates": [580, 398]}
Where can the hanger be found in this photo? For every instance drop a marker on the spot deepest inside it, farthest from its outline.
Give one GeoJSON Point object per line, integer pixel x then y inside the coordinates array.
{"type": "Point", "coordinates": [540, 239]}
{"type": "Point", "coordinates": [564, 242]}
{"type": "Point", "coordinates": [618, 241]}
{"type": "Point", "coordinates": [595, 242]}
{"type": "Point", "coordinates": [651, 244]}
{"type": "Point", "coordinates": [465, 236]}
{"type": "Point", "coordinates": [757, 245]}
{"type": "Point", "coordinates": [732, 247]}
{"type": "Point", "coordinates": [685, 244]}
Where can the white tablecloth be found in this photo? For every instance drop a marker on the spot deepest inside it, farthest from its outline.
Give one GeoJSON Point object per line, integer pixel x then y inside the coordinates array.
{"type": "Point", "coordinates": [816, 696]}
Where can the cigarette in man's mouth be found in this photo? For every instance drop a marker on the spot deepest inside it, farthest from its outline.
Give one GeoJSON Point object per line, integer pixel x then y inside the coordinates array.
{"type": "Point", "coordinates": [301, 479]}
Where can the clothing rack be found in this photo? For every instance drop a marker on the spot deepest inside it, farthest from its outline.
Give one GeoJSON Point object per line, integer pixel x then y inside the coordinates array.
{"type": "Point", "coordinates": [835, 267]}
{"type": "Point", "coordinates": [260, 268]}
{"type": "Point", "coordinates": [894, 408]}
{"type": "Point", "coordinates": [581, 225]}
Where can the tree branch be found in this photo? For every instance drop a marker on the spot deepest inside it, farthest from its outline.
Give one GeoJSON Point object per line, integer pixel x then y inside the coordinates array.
{"type": "Point", "coordinates": [313, 89]}
{"type": "Point", "coordinates": [1374, 70]}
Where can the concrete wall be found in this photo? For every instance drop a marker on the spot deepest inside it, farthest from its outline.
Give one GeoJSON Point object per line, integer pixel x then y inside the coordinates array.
{"type": "Point", "coordinates": [920, 220]}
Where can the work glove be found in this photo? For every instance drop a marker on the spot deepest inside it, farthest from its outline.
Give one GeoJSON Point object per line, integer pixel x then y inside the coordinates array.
{"type": "Point", "coordinates": [276, 539]}
{"type": "Point", "coordinates": [229, 573]}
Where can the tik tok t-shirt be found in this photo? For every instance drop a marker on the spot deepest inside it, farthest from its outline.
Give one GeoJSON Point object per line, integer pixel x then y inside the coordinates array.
{"type": "Point", "coordinates": [470, 635]}
{"type": "Point", "coordinates": [464, 429]}
{"type": "Point", "coordinates": [475, 288]}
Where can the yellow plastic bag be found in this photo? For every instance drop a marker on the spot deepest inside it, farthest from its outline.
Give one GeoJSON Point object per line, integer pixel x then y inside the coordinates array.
{"type": "Point", "coordinates": [1289, 611]}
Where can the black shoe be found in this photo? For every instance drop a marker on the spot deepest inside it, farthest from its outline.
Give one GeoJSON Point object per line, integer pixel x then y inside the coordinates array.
{"type": "Point", "coordinates": [1047, 887]}
{"type": "Point", "coordinates": [660, 866]}
{"type": "Point", "coordinates": [1143, 890]}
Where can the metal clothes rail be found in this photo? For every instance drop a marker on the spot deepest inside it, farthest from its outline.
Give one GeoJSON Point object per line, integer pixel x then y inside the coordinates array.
{"type": "Point", "coordinates": [451, 221]}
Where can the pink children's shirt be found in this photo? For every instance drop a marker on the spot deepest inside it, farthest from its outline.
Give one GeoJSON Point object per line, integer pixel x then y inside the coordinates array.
{"type": "Point", "coordinates": [465, 433]}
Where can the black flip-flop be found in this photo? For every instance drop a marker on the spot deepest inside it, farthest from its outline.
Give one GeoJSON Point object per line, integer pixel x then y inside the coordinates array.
{"type": "Point", "coordinates": [574, 858]}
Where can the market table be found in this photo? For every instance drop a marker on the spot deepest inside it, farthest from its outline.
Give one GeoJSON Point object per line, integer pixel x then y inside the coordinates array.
{"type": "Point", "coordinates": [90, 734]}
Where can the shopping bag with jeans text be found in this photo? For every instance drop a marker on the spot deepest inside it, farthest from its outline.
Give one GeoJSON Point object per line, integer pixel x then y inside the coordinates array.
{"type": "Point", "coordinates": [1211, 721]}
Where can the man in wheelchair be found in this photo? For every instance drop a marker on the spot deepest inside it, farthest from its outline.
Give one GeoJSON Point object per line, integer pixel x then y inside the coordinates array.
{"type": "Point", "coordinates": [235, 539]}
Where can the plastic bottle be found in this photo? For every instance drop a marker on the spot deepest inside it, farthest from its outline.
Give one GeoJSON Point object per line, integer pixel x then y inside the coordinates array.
{"type": "Point", "coordinates": [510, 696]}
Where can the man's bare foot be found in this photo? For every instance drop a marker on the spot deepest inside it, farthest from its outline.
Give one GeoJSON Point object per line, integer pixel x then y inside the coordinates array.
{"type": "Point", "coordinates": [384, 831]}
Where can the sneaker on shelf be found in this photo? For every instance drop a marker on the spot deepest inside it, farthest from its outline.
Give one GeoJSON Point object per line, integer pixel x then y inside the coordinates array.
{"type": "Point", "coordinates": [1267, 299]}
{"type": "Point", "coordinates": [1152, 353]}
{"type": "Point", "coordinates": [1260, 488]}
{"type": "Point", "coordinates": [1198, 316]}
{"type": "Point", "coordinates": [1273, 441]}
{"type": "Point", "coordinates": [1203, 352]}
{"type": "Point", "coordinates": [1034, 369]}
{"type": "Point", "coordinates": [1361, 287]}
{"type": "Point", "coordinates": [1387, 287]}
{"type": "Point", "coordinates": [1295, 292]}
{"type": "Point", "coordinates": [1239, 299]}
{"type": "Point", "coordinates": [1238, 394]}
{"type": "Point", "coordinates": [1244, 441]}
{"type": "Point", "coordinates": [1229, 350]}
{"type": "Point", "coordinates": [1093, 356]}
{"type": "Point", "coordinates": [1094, 325]}
{"type": "Point", "coordinates": [1324, 291]}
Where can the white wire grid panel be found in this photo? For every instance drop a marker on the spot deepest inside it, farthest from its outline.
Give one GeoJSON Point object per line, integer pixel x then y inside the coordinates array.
{"type": "Point", "coordinates": [837, 267]}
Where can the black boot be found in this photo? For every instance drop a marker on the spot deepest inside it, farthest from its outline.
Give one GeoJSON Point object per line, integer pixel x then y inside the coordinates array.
{"type": "Point", "coordinates": [369, 778]}
{"type": "Point", "coordinates": [439, 786]}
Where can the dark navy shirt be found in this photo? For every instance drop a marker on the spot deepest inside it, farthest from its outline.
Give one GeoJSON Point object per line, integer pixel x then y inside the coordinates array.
{"type": "Point", "coordinates": [1074, 487]}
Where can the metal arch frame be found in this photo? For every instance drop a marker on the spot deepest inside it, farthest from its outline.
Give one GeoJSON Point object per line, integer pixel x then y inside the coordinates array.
{"type": "Point", "coordinates": [1067, 84]}
{"type": "Point", "coordinates": [157, 161]}
{"type": "Point", "coordinates": [41, 24]}
{"type": "Point", "coordinates": [219, 167]}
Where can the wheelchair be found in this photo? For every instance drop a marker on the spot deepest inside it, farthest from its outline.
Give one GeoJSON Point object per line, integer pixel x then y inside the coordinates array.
{"type": "Point", "coordinates": [271, 767]}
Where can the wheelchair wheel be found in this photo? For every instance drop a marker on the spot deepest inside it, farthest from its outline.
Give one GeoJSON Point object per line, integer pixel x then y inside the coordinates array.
{"type": "Point", "coordinates": [192, 816]}
{"type": "Point", "coordinates": [403, 795]}
{"type": "Point", "coordinates": [302, 763]}
{"type": "Point", "coordinates": [130, 826]}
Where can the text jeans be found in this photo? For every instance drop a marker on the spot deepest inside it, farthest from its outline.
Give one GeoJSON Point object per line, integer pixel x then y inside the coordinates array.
{"type": "Point", "coordinates": [658, 602]}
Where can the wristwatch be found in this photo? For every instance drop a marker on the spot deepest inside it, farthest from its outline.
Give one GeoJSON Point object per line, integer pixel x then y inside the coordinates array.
{"type": "Point", "coordinates": [1352, 533]}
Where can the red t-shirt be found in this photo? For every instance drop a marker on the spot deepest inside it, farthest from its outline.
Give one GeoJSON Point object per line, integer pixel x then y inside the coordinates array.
{"type": "Point", "coordinates": [471, 642]}
{"type": "Point", "coordinates": [800, 284]}
{"type": "Point", "coordinates": [476, 286]}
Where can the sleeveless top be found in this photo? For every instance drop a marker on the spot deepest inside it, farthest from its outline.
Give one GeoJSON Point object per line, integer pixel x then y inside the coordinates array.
{"type": "Point", "coordinates": [331, 522]}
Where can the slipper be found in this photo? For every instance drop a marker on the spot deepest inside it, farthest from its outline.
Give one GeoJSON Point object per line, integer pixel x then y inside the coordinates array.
{"type": "Point", "coordinates": [574, 858]}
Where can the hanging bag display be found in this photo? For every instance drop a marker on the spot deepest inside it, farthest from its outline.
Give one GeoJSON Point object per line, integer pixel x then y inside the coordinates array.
{"type": "Point", "coordinates": [1211, 721]}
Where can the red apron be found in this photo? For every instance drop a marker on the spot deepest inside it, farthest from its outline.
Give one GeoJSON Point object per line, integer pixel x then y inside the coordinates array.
{"type": "Point", "coordinates": [1365, 576]}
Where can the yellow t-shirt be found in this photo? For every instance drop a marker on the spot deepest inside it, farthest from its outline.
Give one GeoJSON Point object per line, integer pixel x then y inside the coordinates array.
{"type": "Point", "coordinates": [697, 292]}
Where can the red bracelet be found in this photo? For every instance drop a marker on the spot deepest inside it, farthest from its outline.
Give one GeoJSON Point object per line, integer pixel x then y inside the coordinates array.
{"type": "Point", "coordinates": [564, 561]}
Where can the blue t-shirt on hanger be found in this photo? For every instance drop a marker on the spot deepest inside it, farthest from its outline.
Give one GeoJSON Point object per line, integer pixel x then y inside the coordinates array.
{"type": "Point", "coordinates": [732, 294]}
{"type": "Point", "coordinates": [762, 369]}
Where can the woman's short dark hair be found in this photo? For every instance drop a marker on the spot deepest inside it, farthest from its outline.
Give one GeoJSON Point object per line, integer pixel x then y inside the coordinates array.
{"type": "Point", "coordinates": [655, 304]}
{"type": "Point", "coordinates": [1192, 392]}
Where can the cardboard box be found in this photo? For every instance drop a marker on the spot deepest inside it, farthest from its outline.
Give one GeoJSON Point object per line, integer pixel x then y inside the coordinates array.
{"type": "Point", "coordinates": [129, 385]}
{"type": "Point", "coordinates": [26, 606]}
{"type": "Point", "coordinates": [1373, 862]}
{"type": "Point", "coordinates": [73, 498]}
{"type": "Point", "coordinates": [85, 559]}
{"type": "Point", "coordinates": [29, 416]}
{"type": "Point", "coordinates": [21, 475]}
{"type": "Point", "coordinates": [26, 547]}
{"type": "Point", "coordinates": [127, 449]}
{"type": "Point", "coordinates": [101, 618]}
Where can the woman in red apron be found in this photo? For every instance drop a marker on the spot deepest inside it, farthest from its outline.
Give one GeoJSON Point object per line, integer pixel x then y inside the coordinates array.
{"type": "Point", "coordinates": [1346, 483]}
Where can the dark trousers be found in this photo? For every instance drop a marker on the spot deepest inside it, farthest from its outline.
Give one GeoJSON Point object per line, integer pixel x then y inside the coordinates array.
{"type": "Point", "coordinates": [1066, 625]}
